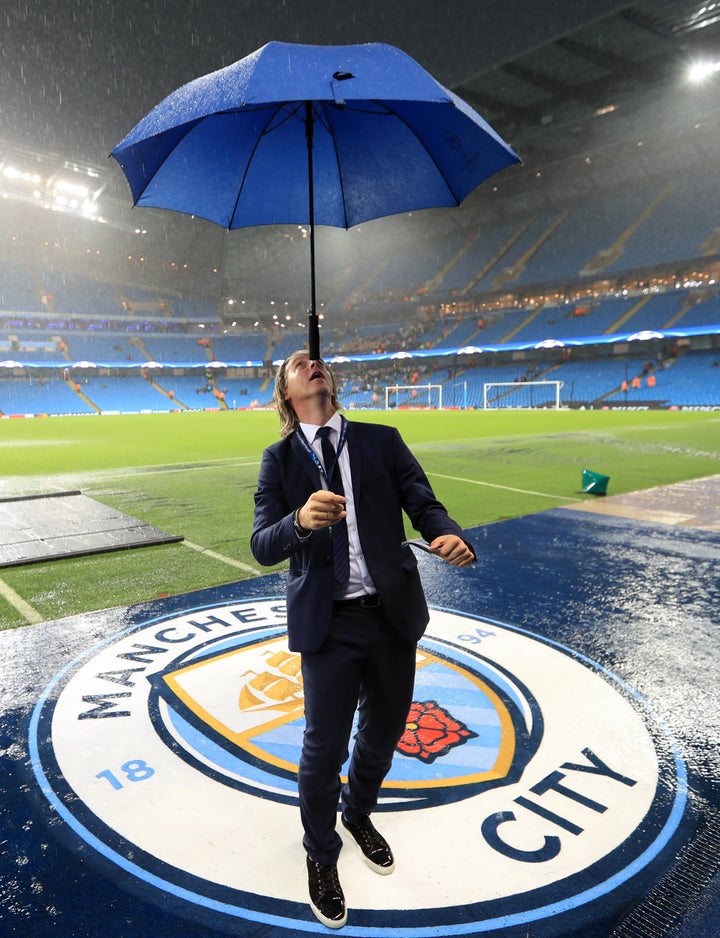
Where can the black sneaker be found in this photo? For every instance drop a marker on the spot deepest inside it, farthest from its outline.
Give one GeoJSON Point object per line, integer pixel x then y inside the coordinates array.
{"type": "Point", "coordinates": [326, 896]}
{"type": "Point", "coordinates": [375, 850]}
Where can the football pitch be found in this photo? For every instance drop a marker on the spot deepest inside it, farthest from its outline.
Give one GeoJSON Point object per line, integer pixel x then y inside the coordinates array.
{"type": "Point", "coordinates": [193, 474]}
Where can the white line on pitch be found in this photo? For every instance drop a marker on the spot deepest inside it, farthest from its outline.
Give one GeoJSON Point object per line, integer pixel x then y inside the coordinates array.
{"type": "Point", "coordinates": [31, 616]}
{"type": "Point", "coordinates": [507, 488]}
{"type": "Point", "coordinates": [162, 470]}
{"type": "Point", "coordinates": [62, 481]}
{"type": "Point", "coordinates": [229, 560]}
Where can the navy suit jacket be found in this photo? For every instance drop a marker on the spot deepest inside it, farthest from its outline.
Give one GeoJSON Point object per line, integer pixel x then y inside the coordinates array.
{"type": "Point", "coordinates": [387, 479]}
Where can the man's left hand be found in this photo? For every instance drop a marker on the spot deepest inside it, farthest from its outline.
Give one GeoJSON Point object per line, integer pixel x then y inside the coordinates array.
{"type": "Point", "coordinates": [453, 549]}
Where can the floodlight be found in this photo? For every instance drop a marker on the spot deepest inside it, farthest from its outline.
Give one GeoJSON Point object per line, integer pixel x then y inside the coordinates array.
{"type": "Point", "coordinates": [71, 188]}
{"type": "Point", "coordinates": [700, 71]}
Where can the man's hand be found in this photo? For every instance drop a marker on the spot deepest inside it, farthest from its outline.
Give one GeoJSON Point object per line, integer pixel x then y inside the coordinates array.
{"type": "Point", "coordinates": [322, 510]}
{"type": "Point", "coordinates": [453, 549]}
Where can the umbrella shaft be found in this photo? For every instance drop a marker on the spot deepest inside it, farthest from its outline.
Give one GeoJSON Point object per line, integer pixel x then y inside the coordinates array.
{"type": "Point", "coordinates": [313, 327]}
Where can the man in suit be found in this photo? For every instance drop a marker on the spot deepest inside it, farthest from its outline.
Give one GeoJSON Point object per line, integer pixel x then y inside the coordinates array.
{"type": "Point", "coordinates": [355, 604]}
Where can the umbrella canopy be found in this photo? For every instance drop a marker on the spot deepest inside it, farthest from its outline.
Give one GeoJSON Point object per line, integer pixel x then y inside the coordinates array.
{"type": "Point", "coordinates": [326, 135]}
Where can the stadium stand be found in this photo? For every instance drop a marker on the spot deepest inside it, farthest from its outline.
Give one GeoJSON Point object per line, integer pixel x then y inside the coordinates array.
{"type": "Point", "coordinates": [603, 271]}
{"type": "Point", "coordinates": [31, 395]}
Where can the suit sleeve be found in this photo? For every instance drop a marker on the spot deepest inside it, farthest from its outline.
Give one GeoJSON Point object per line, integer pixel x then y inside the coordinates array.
{"type": "Point", "coordinates": [428, 515]}
{"type": "Point", "coordinates": [273, 537]}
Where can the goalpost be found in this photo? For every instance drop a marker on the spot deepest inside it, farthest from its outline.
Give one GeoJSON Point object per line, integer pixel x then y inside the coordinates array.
{"type": "Point", "coordinates": [414, 395]}
{"type": "Point", "coordinates": [522, 394]}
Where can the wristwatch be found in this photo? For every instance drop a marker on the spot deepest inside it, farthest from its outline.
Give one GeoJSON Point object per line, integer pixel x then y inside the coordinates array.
{"type": "Point", "coordinates": [299, 529]}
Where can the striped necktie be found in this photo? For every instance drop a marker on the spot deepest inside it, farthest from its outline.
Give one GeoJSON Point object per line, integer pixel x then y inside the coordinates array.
{"type": "Point", "coordinates": [338, 532]}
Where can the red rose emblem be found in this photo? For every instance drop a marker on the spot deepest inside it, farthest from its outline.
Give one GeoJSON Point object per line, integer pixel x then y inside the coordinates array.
{"type": "Point", "coordinates": [431, 732]}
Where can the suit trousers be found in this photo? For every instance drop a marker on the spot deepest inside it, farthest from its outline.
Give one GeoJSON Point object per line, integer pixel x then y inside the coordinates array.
{"type": "Point", "coordinates": [363, 665]}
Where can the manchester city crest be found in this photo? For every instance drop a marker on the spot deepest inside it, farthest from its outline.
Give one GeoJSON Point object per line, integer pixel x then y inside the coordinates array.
{"type": "Point", "coordinates": [172, 749]}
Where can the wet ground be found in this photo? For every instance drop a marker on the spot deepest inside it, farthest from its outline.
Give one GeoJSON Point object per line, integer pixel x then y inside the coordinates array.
{"type": "Point", "coordinates": [591, 634]}
{"type": "Point", "coordinates": [67, 524]}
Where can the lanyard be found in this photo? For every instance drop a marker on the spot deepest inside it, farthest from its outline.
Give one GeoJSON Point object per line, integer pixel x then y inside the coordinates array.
{"type": "Point", "coordinates": [314, 456]}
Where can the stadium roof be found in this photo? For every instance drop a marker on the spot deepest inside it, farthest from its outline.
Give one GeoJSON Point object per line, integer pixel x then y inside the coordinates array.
{"type": "Point", "coordinates": [566, 82]}
{"type": "Point", "coordinates": [77, 75]}
{"type": "Point", "coordinates": [621, 61]}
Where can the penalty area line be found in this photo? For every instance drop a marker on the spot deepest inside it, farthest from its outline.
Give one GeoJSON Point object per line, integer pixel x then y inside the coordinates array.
{"type": "Point", "coordinates": [506, 488]}
{"type": "Point", "coordinates": [31, 615]}
{"type": "Point", "coordinates": [228, 560]}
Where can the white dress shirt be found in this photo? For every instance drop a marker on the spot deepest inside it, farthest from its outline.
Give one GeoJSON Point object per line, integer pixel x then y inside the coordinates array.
{"type": "Point", "coordinates": [360, 581]}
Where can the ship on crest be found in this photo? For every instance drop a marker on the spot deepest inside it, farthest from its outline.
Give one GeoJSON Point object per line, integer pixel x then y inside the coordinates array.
{"type": "Point", "coordinates": [278, 687]}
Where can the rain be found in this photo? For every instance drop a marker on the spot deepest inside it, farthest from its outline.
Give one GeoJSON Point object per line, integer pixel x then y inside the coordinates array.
{"type": "Point", "coordinates": [76, 76]}
{"type": "Point", "coordinates": [594, 97]}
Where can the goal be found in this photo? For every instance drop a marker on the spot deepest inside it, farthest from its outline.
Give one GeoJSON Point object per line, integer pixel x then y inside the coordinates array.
{"type": "Point", "coordinates": [522, 394]}
{"type": "Point", "coordinates": [414, 395]}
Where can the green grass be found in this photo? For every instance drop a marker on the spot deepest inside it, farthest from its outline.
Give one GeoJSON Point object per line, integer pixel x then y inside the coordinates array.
{"type": "Point", "coordinates": [194, 474]}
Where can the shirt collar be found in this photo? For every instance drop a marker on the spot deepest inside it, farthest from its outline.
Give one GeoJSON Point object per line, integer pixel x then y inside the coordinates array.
{"type": "Point", "coordinates": [310, 429]}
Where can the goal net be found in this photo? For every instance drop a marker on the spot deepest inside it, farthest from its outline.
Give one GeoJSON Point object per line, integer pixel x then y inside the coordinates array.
{"type": "Point", "coordinates": [522, 394]}
{"type": "Point", "coordinates": [414, 395]}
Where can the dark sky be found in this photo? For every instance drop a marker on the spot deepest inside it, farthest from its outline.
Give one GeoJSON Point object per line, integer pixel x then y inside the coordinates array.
{"type": "Point", "coordinates": [76, 75]}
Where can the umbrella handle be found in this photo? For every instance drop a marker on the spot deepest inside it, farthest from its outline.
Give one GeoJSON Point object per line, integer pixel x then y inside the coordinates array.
{"type": "Point", "coordinates": [313, 336]}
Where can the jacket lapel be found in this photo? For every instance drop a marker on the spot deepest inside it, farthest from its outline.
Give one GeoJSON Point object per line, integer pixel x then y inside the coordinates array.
{"type": "Point", "coordinates": [305, 460]}
{"type": "Point", "coordinates": [353, 443]}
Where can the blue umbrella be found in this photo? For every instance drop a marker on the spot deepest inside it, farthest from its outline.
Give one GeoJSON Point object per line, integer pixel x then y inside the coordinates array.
{"type": "Point", "coordinates": [327, 135]}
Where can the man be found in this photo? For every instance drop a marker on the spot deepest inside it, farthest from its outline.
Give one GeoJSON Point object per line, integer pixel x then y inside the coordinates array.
{"type": "Point", "coordinates": [355, 604]}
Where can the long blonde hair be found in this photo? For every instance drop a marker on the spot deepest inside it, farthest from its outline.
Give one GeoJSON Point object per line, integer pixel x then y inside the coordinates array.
{"type": "Point", "coordinates": [288, 418]}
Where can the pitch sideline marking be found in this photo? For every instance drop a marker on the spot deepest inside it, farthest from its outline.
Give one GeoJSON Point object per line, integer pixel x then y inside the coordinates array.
{"type": "Point", "coordinates": [61, 480]}
{"type": "Point", "coordinates": [31, 615]}
{"type": "Point", "coordinates": [507, 488]}
{"type": "Point", "coordinates": [229, 560]}
{"type": "Point", "coordinates": [225, 463]}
